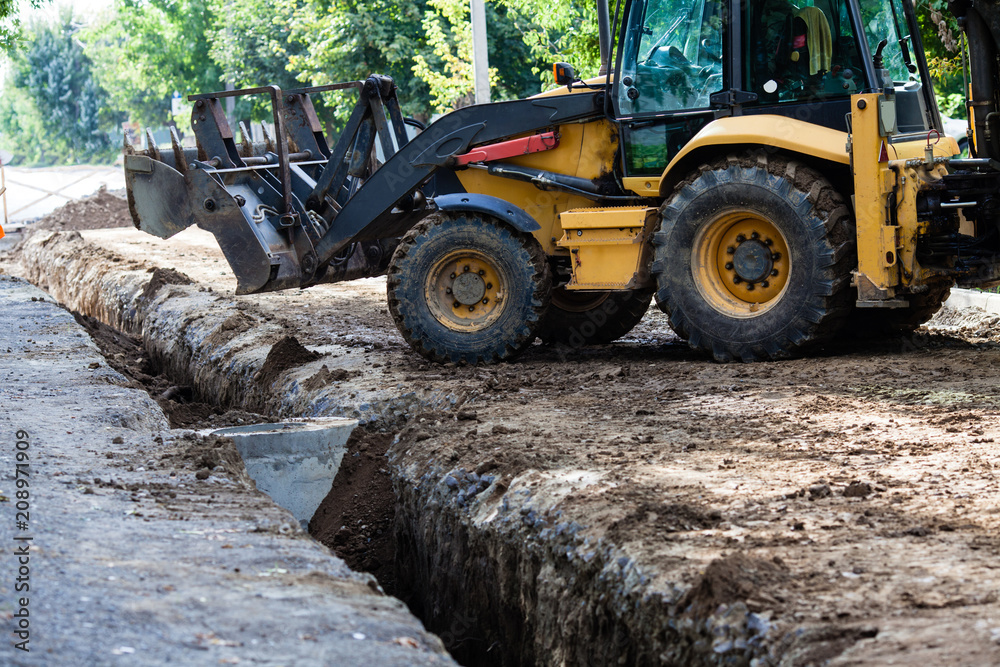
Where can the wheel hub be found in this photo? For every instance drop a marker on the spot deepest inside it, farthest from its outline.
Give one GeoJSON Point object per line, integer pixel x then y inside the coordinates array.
{"type": "Point", "coordinates": [752, 261]}
{"type": "Point", "coordinates": [465, 291]}
{"type": "Point", "coordinates": [469, 288]}
{"type": "Point", "coordinates": [740, 263]}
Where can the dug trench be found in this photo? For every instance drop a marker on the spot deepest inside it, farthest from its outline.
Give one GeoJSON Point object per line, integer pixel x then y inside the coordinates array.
{"type": "Point", "coordinates": [355, 520]}
{"type": "Point", "coordinates": [625, 504]}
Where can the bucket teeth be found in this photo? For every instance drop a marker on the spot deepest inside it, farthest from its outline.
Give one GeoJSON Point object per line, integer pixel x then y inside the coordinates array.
{"type": "Point", "coordinates": [268, 141]}
{"type": "Point", "coordinates": [246, 143]}
{"type": "Point", "coordinates": [127, 147]}
{"type": "Point", "coordinates": [154, 150]}
{"type": "Point", "coordinates": [175, 142]}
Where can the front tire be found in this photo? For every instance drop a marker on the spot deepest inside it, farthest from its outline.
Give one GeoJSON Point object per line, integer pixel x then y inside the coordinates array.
{"type": "Point", "coordinates": [465, 287]}
{"type": "Point", "coordinates": [753, 259]}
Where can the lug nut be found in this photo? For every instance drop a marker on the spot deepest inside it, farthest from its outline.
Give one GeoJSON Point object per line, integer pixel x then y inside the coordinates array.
{"type": "Point", "coordinates": [489, 285]}
{"type": "Point", "coordinates": [768, 242]}
{"type": "Point", "coordinates": [750, 287]}
{"type": "Point", "coordinates": [447, 290]}
{"type": "Point", "coordinates": [776, 256]}
{"type": "Point", "coordinates": [730, 250]}
{"type": "Point", "coordinates": [740, 238]}
{"type": "Point", "coordinates": [755, 235]}
{"type": "Point", "coordinates": [774, 272]}
{"type": "Point", "coordinates": [765, 284]}
{"type": "Point", "coordinates": [458, 305]}
{"type": "Point", "coordinates": [471, 308]}
{"type": "Point", "coordinates": [452, 276]}
{"type": "Point", "coordinates": [729, 266]}
{"type": "Point", "coordinates": [737, 280]}
{"type": "Point", "coordinates": [481, 272]}
{"type": "Point", "coordinates": [466, 269]}
{"type": "Point", "coordinates": [485, 301]}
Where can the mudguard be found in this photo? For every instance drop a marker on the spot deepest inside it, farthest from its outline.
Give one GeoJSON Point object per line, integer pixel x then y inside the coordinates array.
{"type": "Point", "coordinates": [493, 206]}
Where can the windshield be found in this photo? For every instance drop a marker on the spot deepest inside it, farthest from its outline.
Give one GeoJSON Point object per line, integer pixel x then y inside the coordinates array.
{"type": "Point", "coordinates": [672, 57]}
{"type": "Point", "coordinates": [887, 20]}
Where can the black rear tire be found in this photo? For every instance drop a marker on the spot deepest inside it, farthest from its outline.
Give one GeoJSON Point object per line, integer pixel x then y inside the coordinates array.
{"type": "Point", "coordinates": [592, 318]}
{"type": "Point", "coordinates": [465, 287]}
{"type": "Point", "coordinates": [753, 258]}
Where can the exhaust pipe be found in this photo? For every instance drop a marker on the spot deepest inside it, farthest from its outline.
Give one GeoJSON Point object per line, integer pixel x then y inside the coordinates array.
{"type": "Point", "coordinates": [604, 34]}
{"type": "Point", "coordinates": [983, 63]}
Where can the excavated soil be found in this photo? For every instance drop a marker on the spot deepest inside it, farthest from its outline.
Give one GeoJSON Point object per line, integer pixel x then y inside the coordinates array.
{"type": "Point", "coordinates": [356, 518]}
{"type": "Point", "coordinates": [99, 211]}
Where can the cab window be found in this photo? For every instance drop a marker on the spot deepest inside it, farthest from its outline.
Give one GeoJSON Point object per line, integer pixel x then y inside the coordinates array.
{"type": "Point", "coordinates": [801, 51]}
{"type": "Point", "coordinates": [672, 56]}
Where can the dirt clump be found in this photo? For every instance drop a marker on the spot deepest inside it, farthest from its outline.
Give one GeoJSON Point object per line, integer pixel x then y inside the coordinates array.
{"type": "Point", "coordinates": [659, 519]}
{"type": "Point", "coordinates": [206, 455]}
{"type": "Point", "coordinates": [286, 353]}
{"type": "Point", "coordinates": [734, 578]}
{"type": "Point", "coordinates": [163, 277]}
{"type": "Point", "coordinates": [355, 519]}
{"type": "Point", "coordinates": [326, 376]}
{"type": "Point", "coordinates": [100, 211]}
{"type": "Point", "coordinates": [234, 325]}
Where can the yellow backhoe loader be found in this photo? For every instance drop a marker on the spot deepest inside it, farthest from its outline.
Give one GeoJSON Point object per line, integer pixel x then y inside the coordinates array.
{"type": "Point", "coordinates": [768, 171]}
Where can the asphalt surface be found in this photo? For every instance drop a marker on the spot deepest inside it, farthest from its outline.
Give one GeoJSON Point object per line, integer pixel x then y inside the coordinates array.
{"type": "Point", "coordinates": [131, 558]}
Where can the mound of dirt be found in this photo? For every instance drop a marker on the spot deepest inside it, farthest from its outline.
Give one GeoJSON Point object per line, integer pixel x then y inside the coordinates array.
{"type": "Point", "coordinates": [286, 353]}
{"type": "Point", "coordinates": [732, 578]}
{"type": "Point", "coordinates": [163, 277]}
{"type": "Point", "coordinates": [203, 454]}
{"type": "Point", "coordinates": [100, 211]}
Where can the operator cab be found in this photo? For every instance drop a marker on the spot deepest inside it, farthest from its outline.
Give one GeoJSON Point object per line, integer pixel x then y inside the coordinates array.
{"type": "Point", "coordinates": [682, 63]}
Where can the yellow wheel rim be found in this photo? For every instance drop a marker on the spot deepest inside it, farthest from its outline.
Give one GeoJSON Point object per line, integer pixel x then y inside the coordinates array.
{"type": "Point", "coordinates": [465, 291]}
{"type": "Point", "coordinates": [740, 264]}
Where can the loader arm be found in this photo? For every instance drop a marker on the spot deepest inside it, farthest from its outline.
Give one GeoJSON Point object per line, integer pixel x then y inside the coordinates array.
{"type": "Point", "coordinates": [293, 212]}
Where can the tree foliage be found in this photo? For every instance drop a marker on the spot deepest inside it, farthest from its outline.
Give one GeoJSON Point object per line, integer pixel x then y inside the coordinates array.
{"type": "Point", "coordinates": [446, 66]}
{"type": "Point", "coordinates": [941, 36]}
{"type": "Point", "coordinates": [558, 31]}
{"type": "Point", "coordinates": [11, 34]}
{"type": "Point", "coordinates": [347, 40]}
{"type": "Point", "coordinates": [52, 109]}
{"type": "Point", "coordinates": [146, 49]}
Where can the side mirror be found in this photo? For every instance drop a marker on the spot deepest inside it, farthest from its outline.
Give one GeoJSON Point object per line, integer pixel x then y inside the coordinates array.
{"type": "Point", "coordinates": [563, 74]}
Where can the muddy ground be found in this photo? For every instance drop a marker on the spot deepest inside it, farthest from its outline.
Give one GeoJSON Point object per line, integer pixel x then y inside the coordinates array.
{"type": "Point", "coordinates": [849, 500]}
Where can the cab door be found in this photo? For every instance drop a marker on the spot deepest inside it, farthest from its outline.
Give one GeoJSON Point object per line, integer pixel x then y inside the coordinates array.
{"type": "Point", "coordinates": [672, 58]}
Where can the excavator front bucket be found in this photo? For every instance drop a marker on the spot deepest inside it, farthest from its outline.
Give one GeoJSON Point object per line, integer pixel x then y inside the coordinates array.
{"type": "Point", "coordinates": [255, 197]}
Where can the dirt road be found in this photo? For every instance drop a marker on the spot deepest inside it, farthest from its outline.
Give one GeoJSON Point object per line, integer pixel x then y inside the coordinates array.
{"type": "Point", "coordinates": [637, 501]}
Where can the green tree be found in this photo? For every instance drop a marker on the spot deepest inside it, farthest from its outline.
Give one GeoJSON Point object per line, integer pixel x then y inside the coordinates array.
{"type": "Point", "coordinates": [144, 50]}
{"type": "Point", "coordinates": [10, 23]}
{"type": "Point", "coordinates": [51, 111]}
{"type": "Point", "coordinates": [253, 43]}
{"type": "Point", "coordinates": [350, 39]}
{"type": "Point", "coordinates": [446, 65]}
{"type": "Point", "coordinates": [941, 36]}
{"type": "Point", "coordinates": [558, 31]}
